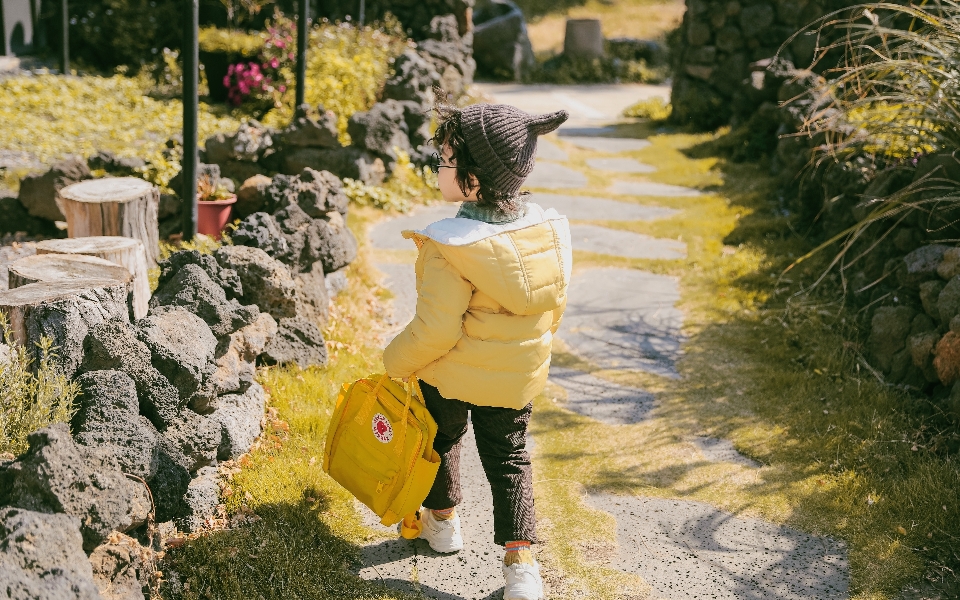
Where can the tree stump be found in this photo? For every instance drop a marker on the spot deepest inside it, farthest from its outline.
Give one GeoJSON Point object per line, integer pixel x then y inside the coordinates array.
{"type": "Point", "coordinates": [49, 268]}
{"type": "Point", "coordinates": [113, 206]}
{"type": "Point", "coordinates": [583, 39]}
{"type": "Point", "coordinates": [63, 311]}
{"type": "Point", "coordinates": [124, 251]}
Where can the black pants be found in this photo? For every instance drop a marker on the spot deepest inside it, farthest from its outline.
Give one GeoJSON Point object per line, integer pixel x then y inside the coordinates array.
{"type": "Point", "coordinates": [501, 441]}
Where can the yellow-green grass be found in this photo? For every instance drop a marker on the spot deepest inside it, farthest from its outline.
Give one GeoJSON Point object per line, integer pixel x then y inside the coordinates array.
{"type": "Point", "coordinates": [304, 540]}
{"type": "Point", "coordinates": [645, 19]}
{"type": "Point", "coordinates": [842, 454]}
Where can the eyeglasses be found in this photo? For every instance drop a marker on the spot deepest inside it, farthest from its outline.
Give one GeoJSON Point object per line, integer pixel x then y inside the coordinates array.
{"type": "Point", "coordinates": [436, 163]}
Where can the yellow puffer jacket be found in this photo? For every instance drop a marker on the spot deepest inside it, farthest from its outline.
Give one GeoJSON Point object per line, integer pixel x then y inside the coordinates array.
{"type": "Point", "coordinates": [489, 300]}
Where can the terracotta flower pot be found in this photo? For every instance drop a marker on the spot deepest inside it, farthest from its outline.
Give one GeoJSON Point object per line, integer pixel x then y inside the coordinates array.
{"type": "Point", "coordinates": [213, 215]}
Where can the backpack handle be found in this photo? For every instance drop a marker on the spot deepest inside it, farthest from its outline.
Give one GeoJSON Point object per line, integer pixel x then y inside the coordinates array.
{"type": "Point", "coordinates": [410, 386]}
{"type": "Point", "coordinates": [366, 413]}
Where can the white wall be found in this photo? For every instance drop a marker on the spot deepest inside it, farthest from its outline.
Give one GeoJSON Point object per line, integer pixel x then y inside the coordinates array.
{"type": "Point", "coordinates": [17, 12]}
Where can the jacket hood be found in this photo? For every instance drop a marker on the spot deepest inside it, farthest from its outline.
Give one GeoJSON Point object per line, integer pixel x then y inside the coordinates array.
{"type": "Point", "coordinates": [525, 265]}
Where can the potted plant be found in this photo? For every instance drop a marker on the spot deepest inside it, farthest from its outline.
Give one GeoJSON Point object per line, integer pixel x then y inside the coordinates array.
{"type": "Point", "coordinates": [214, 204]}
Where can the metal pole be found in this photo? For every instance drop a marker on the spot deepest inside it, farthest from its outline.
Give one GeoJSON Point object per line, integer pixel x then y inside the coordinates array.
{"type": "Point", "coordinates": [191, 60]}
{"type": "Point", "coordinates": [65, 33]}
{"type": "Point", "coordinates": [303, 32]}
{"type": "Point", "coordinates": [363, 7]}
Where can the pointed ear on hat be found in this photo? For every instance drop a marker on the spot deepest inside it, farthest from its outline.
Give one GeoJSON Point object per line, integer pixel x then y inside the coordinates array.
{"type": "Point", "coordinates": [543, 124]}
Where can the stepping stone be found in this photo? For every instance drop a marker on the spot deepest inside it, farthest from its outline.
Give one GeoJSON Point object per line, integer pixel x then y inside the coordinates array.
{"type": "Point", "coordinates": [614, 242]}
{"type": "Point", "coordinates": [547, 150]}
{"type": "Point", "coordinates": [386, 235]}
{"type": "Point", "coordinates": [691, 550]}
{"type": "Point", "coordinates": [588, 208]}
{"type": "Point", "coordinates": [555, 176]}
{"type": "Point", "coordinates": [607, 130]}
{"type": "Point", "coordinates": [620, 165]}
{"type": "Point", "coordinates": [717, 450]}
{"type": "Point", "coordinates": [649, 188]}
{"type": "Point", "coordinates": [624, 319]}
{"type": "Point", "coordinates": [602, 400]}
{"type": "Point", "coordinates": [609, 145]}
{"type": "Point", "coordinates": [411, 566]}
{"type": "Point", "coordinates": [401, 280]}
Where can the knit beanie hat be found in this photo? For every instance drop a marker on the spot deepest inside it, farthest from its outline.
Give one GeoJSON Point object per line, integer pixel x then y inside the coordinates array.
{"type": "Point", "coordinates": [503, 141]}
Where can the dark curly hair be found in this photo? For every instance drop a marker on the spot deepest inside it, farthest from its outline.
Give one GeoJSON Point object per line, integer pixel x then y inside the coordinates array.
{"type": "Point", "coordinates": [450, 132]}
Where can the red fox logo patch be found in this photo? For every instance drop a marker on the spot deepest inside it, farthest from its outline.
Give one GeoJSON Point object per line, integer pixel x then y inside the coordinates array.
{"type": "Point", "coordinates": [382, 430]}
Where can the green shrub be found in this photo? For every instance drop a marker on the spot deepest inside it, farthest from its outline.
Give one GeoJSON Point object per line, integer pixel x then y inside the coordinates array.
{"type": "Point", "coordinates": [654, 109]}
{"type": "Point", "coordinates": [51, 116]}
{"type": "Point", "coordinates": [231, 41]}
{"type": "Point", "coordinates": [562, 70]}
{"type": "Point", "coordinates": [107, 33]}
{"type": "Point", "coordinates": [346, 69]}
{"type": "Point", "coordinates": [407, 185]}
{"type": "Point", "coordinates": [30, 399]}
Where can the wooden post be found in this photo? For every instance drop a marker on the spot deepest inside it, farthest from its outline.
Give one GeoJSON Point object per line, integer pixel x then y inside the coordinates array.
{"type": "Point", "coordinates": [123, 251]}
{"type": "Point", "coordinates": [303, 33]}
{"type": "Point", "coordinates": [112, 206]}
{"type": "Point", "coordinates": [191, 62]}
{"type": "Point", "coordinates": [65, 32]}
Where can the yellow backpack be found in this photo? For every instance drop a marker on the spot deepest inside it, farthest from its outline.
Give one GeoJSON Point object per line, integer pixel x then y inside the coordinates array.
{"type": "Point", "coordinates": [380, 448]}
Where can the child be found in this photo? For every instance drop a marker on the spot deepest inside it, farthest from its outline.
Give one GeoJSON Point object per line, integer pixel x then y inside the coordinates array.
{"type": "Point", "coordinates": [491, 289]}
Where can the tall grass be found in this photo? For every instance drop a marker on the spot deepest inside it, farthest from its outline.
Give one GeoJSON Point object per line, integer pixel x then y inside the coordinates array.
{"type": "Point", "coordinates": [30, 397]}
{"type": "Point", "coordinates": [893, 95]}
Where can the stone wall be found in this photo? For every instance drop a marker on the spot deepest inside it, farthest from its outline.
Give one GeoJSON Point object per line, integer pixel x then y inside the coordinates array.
{"type": "Point", "coordinates": [724, 47]}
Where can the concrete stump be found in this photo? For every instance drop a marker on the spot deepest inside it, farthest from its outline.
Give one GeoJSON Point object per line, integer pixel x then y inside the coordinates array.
{"type": "Point", "coordinates": [124, 251]}
{"type": "Point", "coordinates": [114, 206]}
{"type": "Point", "coordinates": [583, 39]}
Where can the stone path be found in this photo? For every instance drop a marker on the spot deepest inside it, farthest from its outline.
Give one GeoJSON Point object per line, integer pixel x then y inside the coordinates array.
{"type": "Point", "coordinates": [620, 165]}
{"type": "Point", "coordinates": [616, 318]}
{"type": "Point", "coordinates": [691, 550]}
{"type": "Point", "coordinates": [649, 188]}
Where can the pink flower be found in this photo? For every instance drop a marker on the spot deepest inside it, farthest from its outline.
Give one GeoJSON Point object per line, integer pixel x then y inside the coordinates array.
{"type": "Point", "coordinates": [274, 63]}
{"type": "Point", "coordinates": [226, 81]}
{"type": "Point", "coordinates": [281, 45]}
{"type": "Point", "coordinates": [282, 88]}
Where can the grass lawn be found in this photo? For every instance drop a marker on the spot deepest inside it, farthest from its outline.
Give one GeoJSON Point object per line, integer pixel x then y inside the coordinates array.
{"type": "Point", "coordinates": [645, 19]}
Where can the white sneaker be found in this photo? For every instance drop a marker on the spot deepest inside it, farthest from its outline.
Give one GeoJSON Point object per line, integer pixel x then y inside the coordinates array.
{"type": "Point", "coordinates": [443, 536]}
{"type": "Point", "coordinates": [523, 582]}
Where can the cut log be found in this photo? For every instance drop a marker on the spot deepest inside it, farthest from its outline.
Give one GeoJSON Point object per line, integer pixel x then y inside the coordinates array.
{"type": "Point", "coordinates": [63, 311]}
{"type": "Point", "coordinates": [112, 206]}
{"type": "Point", "coordinates": [123, 251]}
{"type": "Point", "coordinates": [49, 268]}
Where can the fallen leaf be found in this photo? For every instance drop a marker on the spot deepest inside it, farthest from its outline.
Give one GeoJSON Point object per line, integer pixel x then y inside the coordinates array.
{"type": "Point", "coordinates": [901, 530]}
